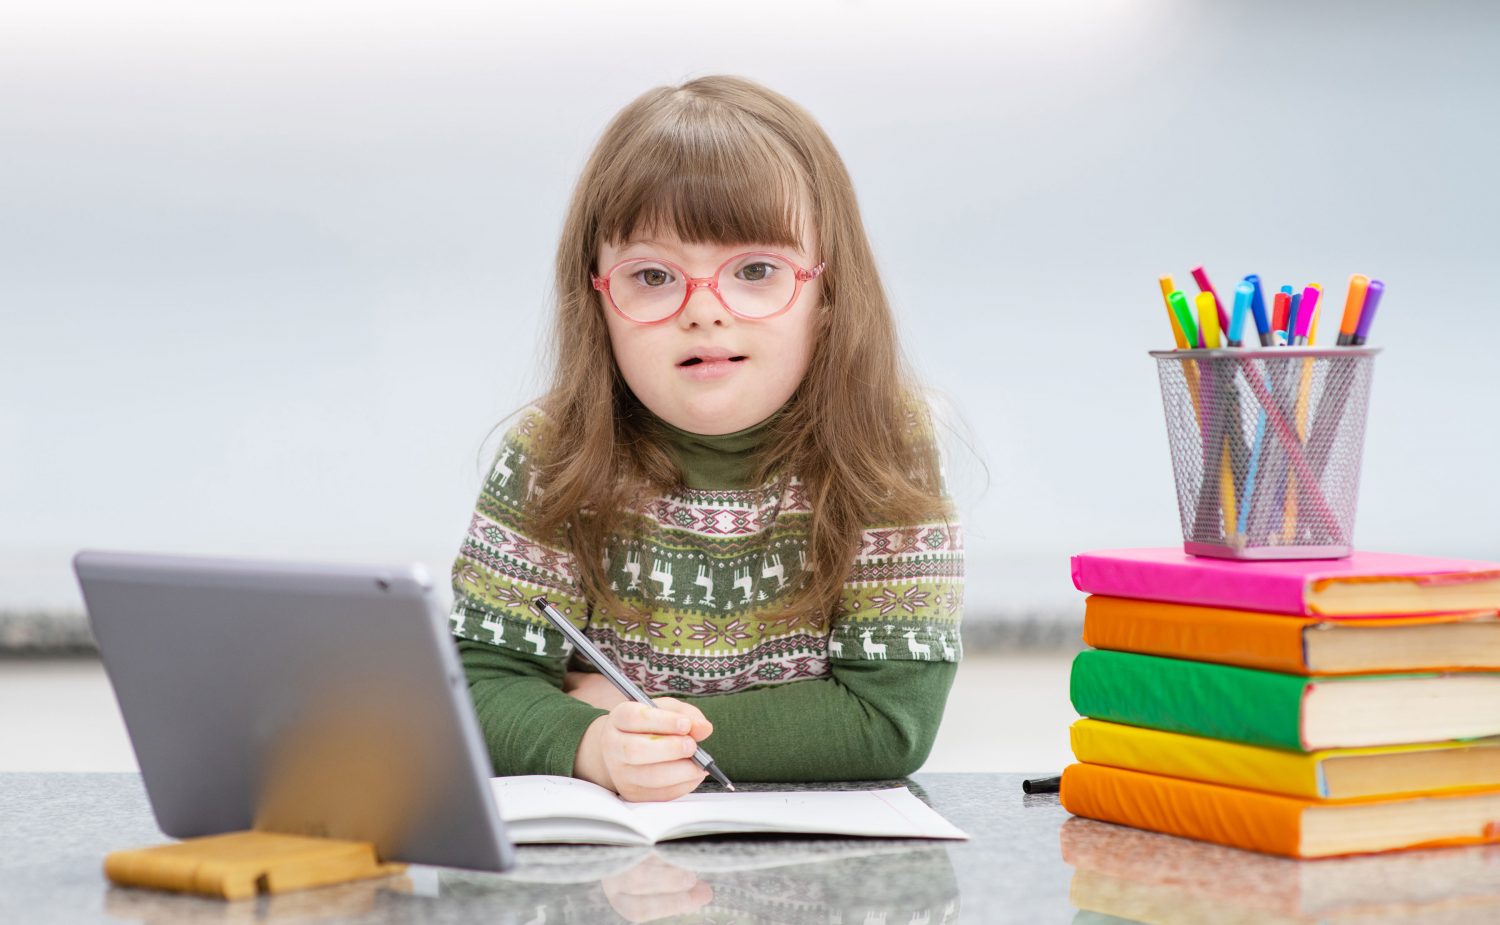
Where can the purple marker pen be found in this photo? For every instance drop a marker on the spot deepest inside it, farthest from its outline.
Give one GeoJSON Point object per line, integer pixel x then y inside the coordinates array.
{"type": "Point", "coordinates": [1367, 314]}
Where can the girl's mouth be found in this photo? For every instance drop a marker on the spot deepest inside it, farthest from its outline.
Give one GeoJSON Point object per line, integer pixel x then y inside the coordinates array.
{"type": "Point", "coordinates": [707, 369]}
{"type": "Point", "coordinates": [694, 361]}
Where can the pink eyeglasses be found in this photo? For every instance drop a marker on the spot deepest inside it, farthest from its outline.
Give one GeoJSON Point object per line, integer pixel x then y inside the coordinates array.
{"type": "Point", "coordinates": [648, 290]}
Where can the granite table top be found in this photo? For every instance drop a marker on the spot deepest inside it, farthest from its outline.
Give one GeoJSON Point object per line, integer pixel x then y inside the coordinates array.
{"type": "Point", "coordinates": [1026, 861]}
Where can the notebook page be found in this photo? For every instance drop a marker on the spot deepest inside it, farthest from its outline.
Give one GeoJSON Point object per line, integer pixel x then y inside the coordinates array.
{"type": "Point", "coordinates": [893, 813]}
{"type": "Point", "coordinates": [543, 808]}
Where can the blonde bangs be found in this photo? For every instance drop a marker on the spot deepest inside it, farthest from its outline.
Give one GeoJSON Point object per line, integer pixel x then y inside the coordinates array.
{"type": "Point", "coordinates": [731, 182]}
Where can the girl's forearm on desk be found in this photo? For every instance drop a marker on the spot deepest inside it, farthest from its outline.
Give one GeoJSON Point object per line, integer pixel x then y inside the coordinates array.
{"type": "Point", "coordinates": [530, 726]}
{"type": "Point", "coordinates": [869, 721]}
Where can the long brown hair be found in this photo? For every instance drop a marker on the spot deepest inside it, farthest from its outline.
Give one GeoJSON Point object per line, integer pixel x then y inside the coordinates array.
{"type": "Point", "coordinates": [723, 160]}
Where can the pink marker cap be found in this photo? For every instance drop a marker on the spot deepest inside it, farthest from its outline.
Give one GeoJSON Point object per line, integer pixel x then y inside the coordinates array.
{"type": "Point", "coordinates": [1306, 310]}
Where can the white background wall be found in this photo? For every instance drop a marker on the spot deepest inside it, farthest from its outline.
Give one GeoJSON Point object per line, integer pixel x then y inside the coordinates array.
{"type": "Point", "coordinates": [269, 272]}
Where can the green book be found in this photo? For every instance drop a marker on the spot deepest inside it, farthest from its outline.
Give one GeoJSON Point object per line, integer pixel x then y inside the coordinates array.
{"type": "Point", "coordinates": [1283, 710]}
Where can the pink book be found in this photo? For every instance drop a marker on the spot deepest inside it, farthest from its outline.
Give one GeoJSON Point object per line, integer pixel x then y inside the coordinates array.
{"type": "Point", "coordinates": [1364, 584]}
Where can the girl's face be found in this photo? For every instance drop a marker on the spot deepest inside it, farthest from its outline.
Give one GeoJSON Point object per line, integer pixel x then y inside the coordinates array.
{"type": "Point", "coordinates": [745, 370]}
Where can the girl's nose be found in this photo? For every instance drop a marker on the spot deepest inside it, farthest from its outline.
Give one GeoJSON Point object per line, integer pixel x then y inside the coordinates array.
{"type": "Point", "coordinates": [703, 306]}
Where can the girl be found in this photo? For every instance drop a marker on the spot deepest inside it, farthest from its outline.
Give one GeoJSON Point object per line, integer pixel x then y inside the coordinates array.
{"type": "Point", "coordinates": [730, 485]}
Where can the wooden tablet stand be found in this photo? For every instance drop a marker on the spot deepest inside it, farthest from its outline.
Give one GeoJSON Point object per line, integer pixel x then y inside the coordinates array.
{"type": "Point", "coordinates": [238, 865]}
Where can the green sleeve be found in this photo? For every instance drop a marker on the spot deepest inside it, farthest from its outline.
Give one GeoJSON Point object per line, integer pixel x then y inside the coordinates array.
{"type": "Point", "coordinates": [529, 724]}
{"type": "Point", "coordinates": [871, 720]}
{"type": "Point", "coordinates": [513, 659]}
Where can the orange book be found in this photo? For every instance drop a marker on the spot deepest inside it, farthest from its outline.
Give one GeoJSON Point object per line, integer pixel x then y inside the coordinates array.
{"type": "Point", "coordinates": [1468, 641]}
{"type": "Point", "coordinates": [1277, 824]}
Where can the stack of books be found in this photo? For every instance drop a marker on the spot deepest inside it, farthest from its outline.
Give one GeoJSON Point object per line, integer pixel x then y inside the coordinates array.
{"type": "Point", "coordinates": [1305, 708]}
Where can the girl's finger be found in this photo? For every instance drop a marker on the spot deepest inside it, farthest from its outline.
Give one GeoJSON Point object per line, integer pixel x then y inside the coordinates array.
{"type": "Point", "coordinates": [668, 775]}
{"type": "Point", "coordinates": [701, 728]}
{"type": "Point", "coordinates": [650, 908]}
{"type": "Point", "coordinates": [637, 717]}
{"type": "Point", "coordinates": [657, 794]}
{"type": "Point", "coordinates": [651, 875]}
{"type": "Point", "coordinates": [649, 748]}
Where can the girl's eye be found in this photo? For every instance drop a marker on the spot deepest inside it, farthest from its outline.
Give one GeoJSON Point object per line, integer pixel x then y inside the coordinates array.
{"type": "Point", "coordinates": [653, 277]}
{"type": "Point", "coordinates": [757, 272]}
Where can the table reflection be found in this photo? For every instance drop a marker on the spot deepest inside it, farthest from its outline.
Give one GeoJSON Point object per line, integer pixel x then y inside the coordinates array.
{"type": "Point", "coordinates": [1123, 875]}
{"type": "Point", "coordinates": [745, 880]}
{"type": "Point", "coordinates": [721, 881]}
{"type": "Point", "coordinates": [331, 903]}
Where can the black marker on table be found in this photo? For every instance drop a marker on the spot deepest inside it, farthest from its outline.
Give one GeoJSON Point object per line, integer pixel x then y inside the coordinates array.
{"type": "Point", "coordinates": [615, 676]}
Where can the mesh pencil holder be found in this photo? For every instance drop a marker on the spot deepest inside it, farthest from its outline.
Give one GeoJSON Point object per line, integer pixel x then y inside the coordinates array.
{"type": "Point", "coordinates": [1266, 447]}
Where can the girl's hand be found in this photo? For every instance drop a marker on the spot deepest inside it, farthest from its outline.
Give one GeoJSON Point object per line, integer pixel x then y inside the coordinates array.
{"type": "Point", "coordinates": [655, 889]}
{"type": "Point", "coordinates": [593, 689]}
{"type": "Point", "coordinates": [644, 753]}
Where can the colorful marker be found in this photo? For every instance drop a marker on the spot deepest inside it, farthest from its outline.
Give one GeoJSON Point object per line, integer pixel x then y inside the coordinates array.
{"type": "Point", "coordinates": [1305, 313]}
{"type": "Point", "coordinates": [1260, 441]}
{"type": "Point", "coordinates": [1258, 308]}
{"type": "Point", "coordinates": [1166, 297]}
{"type": "Point", "coordinates": [1184, 316]}
{"type": "Point", "coordinates": [1208, 319]}
{"type": "Point", "coordinates": [1352, 306]}
{"type": "Point", "coordinates": [1280, 312]}
{"type": "Point", "coordinates": [1367, 315]}
{"type": "Point", "coordinates": [1244, 294]}
{"type": "Point", "coordinates": [1291, 315]}
{"type": "Point", "coordinates": [1312, 325]}
{"type": "Point", "coordinates": [1201, 278]}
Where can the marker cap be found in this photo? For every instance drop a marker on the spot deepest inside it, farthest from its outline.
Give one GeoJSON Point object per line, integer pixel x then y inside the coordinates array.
{"type": "Point", "coordinates": [1307, 309]}
{"type": "Point", "coordinates": [1373, 292]}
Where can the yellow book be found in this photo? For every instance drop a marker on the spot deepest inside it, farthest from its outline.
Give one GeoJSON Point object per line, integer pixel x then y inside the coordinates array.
{"type": "Point", "coordinates": [237, 865]}
{"type": "Point", "coordinates": [1330, 774]}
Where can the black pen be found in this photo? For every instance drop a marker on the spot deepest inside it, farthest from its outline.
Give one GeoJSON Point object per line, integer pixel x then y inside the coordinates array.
{"type": "Point", "coordinates": [616, 676]}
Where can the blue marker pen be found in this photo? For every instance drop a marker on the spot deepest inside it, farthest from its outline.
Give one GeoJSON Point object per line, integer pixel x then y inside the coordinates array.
{"type": "Point", "coordinates": [1244, 294]}
{"type": "Point", "coordinates": [1258, 308]}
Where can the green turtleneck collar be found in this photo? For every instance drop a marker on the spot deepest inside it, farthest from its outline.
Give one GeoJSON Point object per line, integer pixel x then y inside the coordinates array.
{"type": "Point", "coordinates": [710, 461]}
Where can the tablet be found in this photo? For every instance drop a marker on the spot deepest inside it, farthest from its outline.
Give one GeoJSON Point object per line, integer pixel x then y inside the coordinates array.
{"type": "Point", "coordinates": [301, 698]}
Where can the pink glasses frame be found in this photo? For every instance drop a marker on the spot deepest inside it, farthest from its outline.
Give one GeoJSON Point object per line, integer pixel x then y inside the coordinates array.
{"type": "Point", "coordinates": [711, 283]}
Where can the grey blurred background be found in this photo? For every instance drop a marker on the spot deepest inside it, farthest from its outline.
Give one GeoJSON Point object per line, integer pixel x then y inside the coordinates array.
{"type": "Point", "coordinates": [270, 272]}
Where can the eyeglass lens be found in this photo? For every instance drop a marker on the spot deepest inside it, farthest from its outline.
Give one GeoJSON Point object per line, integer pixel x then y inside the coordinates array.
{"type": "Point", "coordinates": [756, 285]}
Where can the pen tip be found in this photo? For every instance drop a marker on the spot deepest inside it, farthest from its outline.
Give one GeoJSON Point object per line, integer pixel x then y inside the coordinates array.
{"type": "Point", "coordinates": [731, 787]}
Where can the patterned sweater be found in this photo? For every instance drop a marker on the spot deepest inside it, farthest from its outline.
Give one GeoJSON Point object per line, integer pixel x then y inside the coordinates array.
{"type": "Point", "coordinates": [717, 562]}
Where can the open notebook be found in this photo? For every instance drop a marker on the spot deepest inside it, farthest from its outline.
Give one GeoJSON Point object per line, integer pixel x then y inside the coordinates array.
{"type": "Point", "coordinates": [540, 809]}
